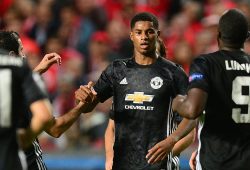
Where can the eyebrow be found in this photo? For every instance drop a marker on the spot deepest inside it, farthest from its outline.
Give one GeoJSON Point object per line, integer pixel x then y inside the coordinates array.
{"type": "Point", "coordinates": [143, 30]}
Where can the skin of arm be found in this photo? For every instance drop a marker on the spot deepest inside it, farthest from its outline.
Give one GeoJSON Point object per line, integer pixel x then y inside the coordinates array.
{"type": "Point", "coordinates": [59, 125]}
{"type": "Point", "coordinates": [192, 105]}
{"type": "Point", "coordinates": [163, 148]}
{"type": "Point", "coordinates": [86, 99]}
{"type": "Point", "coordinates": [182, 144]}
{"type": "Point", "coordinates": [41, 118]}
{"type": "Point", "coordinates": [109, 143]}
{"type": "Point", "coordinates": [192, 161]}
{"type": "Point", "coordinates": [47, 61]}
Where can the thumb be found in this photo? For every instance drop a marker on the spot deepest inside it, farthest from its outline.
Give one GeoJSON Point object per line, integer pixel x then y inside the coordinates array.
{"type": "Point", "coordinates": [90, 85]}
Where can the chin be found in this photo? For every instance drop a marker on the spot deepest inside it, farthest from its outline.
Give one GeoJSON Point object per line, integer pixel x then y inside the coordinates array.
{"type": "Point", "coordinates": [147, 53]}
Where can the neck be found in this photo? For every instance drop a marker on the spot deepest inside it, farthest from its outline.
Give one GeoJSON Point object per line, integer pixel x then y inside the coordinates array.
{"type": "Point", "coordinates": [231, 49]}
{"type": "Point", "coordinates": [145, 60]}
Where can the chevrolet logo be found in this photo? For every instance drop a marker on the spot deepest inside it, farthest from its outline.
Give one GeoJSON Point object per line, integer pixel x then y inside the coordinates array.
{"type": "Point", "coordinates": [139, 97]}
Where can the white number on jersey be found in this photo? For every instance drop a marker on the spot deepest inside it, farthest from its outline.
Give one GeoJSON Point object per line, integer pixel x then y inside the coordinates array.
{"type": "Point", "coordinates": [241, 99]}
{"type": "Point", "coordinates": [5, 98]}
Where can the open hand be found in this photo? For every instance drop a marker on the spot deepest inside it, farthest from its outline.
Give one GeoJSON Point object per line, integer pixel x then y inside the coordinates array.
{"type": "Point", "coordinates": [47, 61]}
{"type": "Point", "coordinates": [160, 151]}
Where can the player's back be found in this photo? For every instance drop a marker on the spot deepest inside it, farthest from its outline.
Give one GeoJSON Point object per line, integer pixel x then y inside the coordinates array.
{"type": "Point", "coordinates": [225, 136]}
{"type": "Point", "coordinates": [12, 74]}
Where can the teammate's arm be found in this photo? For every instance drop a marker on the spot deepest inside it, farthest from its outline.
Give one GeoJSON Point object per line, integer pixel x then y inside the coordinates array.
{"type": "Point", "coordinates": [192, 161]}
{"type": "Point", "coordinates": [182, 144]}
{"type": "Point", "coordinates": [58, 125]}
{"type": "Point", "coordinates": [109, 143]}
{"type": "Point", "coordinates": [47, 61]}
{"type": "Point", "coordinates": [41, 117]}
{"type": "Point", "coordinates": [192, 105]}
{"type": "Point", "coordinates": [88, 101]}
{"type": "Point", "coordinates": [163, 148]}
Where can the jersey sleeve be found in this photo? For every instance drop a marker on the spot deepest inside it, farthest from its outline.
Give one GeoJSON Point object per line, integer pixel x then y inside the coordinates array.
{"type": "Point", "coordinates": [112, 112]}
{"type": "Point", "coordinates": [32, 88]}
{"type": "Point", "coordinates": [198, 76]}
{"type": "Point", "coordinates": [181, 81]}
{"type": "Point", "coordinates": [104, 85]}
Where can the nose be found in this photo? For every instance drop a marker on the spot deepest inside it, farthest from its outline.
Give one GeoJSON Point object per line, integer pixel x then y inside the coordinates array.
{"type": "Point", "coordinates": [144, 36]}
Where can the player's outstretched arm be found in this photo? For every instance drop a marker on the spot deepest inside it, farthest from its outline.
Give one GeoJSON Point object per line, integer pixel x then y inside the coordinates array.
{"type": "Point", "coordinates": [109, 143]}
{"type": "Point", "coordinates": [88, 101]}
{"type": "Point", "coordinates": [41, 119]}
{"type": "Point", "coordinates": [60, 124]}
{"type": "Point", "coordinates": [163, 148]}
{"type": "Point", "coordinates": [47, 61]}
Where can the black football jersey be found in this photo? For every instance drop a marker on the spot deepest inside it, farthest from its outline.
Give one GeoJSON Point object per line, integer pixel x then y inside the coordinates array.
{"type": "Point", "coordinates": [34, 157]}
{"type": "Point", "coordinates": [142, 98]}
{"type": "Point", "coordinates": [17, 90]}
{"type": "Point", "coordinates": [224, 135]}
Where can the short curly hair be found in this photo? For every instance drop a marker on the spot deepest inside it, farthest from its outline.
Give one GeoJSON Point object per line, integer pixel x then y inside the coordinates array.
{"type": "Point", "coordinates": [144, 16]}
{"type": "Point", "coordinates": [9, 41]}
{"type": "Point", "coordinates": [233, 27]}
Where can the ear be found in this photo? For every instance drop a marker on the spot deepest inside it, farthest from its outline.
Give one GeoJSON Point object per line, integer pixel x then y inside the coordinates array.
{"type": "Point", "coordinates": [248, 34]}
{"type": "Point", "coordinates": [131, 36]}
{"type": "Point", "coordinates": [12, 53]}
{"type": "Point", "coordinates": [158, 33]}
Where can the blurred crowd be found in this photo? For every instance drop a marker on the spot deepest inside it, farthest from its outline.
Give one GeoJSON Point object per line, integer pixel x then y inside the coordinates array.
{"type": "Point", "coordinates": [89, 34]}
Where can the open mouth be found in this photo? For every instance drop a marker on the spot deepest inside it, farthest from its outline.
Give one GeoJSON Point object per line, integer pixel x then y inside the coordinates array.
{"type": "Point", "coordinates": [144, 45]}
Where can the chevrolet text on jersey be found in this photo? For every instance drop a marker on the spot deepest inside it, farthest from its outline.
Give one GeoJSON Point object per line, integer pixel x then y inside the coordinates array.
{"type": "Point", "coordinates": [133, 107]}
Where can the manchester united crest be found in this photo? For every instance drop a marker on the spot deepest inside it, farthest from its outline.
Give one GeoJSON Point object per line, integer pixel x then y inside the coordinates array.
{"type": "Point", "coordinates": [156, 82]}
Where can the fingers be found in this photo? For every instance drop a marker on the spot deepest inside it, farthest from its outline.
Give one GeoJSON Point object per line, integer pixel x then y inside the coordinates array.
{"type": "Point", "coordinates": [90, 85]}
{"type": "Point", "coordinates": [108, 166]}
{"type": "Point", "coordinates": [192, 161]}
{"type": "Point", "coordinates": [159, 157]}
{"type": "Point", "coordinates": [155, 156]}
{"type": "Point", "coordinates": [52, 58]}
{"type": "Point", "coordinates": [84, 94]}
{"type": "Point", "coordinates": [151, 151]}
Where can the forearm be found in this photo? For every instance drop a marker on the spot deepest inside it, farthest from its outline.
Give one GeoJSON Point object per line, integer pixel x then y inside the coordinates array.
{"type": "Point", "coordinates": [41, 119]}
{"type": "Point", "coordinates": [109, 140]}
{"type": "Point", "coordinates": [38, 70]}
{"type": "Point", "coordinates": [184, 128]}
{"type": "Point", "coordinates": [59, 125]}
{"type": "Point", "coordinates": [192, 105]}
{"type": "Point", "coordinates": [182, 144]}
{"type": "Point", "coordinates": [186, 110]}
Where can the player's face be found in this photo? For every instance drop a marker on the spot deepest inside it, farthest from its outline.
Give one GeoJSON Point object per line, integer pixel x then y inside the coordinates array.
{"type": "Point", "coordinates": [144, 37]}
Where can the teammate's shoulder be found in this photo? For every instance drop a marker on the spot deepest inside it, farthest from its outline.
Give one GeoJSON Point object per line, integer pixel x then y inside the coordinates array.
{"type": "Point", "coordinates": [209, 55]}
{"type": "Point", "coordinates": [122, 62]}
{"type": "Point", "coordinates": [169, 64]}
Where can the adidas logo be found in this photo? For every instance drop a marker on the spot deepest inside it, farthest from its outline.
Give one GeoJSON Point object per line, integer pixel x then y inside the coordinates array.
{"type": "Point", "coordinates": [124, 81]}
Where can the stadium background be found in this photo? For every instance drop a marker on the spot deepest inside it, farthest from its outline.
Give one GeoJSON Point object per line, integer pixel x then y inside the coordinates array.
{"type": "Point", "coordinates": [89, 34]}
